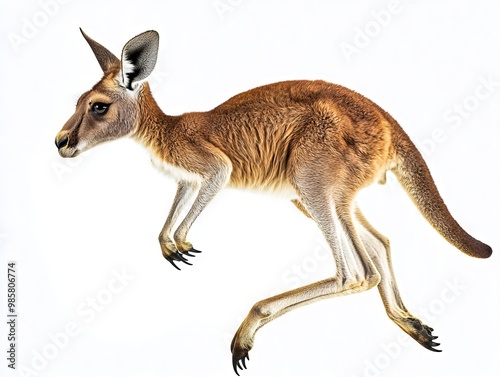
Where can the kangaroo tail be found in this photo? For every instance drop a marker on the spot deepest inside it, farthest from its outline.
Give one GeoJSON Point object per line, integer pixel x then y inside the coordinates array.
{"type": "Point", "coordinates": [415, 177]}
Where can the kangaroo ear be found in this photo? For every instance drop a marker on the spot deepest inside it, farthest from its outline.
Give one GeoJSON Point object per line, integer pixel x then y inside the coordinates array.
{"type": "Point", "coordinates": [139, 58]}
{"type": "Point", "coordinates": [105, 58]}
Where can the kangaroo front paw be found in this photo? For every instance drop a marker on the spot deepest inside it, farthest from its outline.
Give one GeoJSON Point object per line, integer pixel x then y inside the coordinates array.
{"type": "Point", "coordinates": [173, 254]}
{"type": "Point", "coordinates": [186, 248]}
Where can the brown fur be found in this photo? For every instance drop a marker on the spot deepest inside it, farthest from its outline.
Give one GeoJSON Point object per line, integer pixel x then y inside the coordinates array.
{"type": "Point", "coordinates": [268, 131]}
{"type": "Point", "coordinates": [271, 133]}
{"type": "Point", "coordinates": [318, 141]}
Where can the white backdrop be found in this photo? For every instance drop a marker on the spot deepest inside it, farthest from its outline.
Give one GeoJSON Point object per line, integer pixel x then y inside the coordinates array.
{"type": "Point", "coordinates": [95, 296]}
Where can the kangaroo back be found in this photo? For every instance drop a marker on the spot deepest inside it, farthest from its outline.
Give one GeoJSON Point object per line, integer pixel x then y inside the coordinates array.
{"type": "Point", "coordinates": [413, 174]}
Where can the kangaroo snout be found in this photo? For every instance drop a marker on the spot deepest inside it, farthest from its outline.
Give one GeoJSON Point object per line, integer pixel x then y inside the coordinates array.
{"type": "Point", "coordinates": [62, 139]}
{"type": "Point", "coordinates": [62, 144]}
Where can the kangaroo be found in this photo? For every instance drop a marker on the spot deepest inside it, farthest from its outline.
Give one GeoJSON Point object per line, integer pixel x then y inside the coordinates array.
{"type": "Point", "coordinates": [320, 142]}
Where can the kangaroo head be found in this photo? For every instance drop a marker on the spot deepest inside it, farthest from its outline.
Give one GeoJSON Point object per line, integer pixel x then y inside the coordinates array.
{"type": "Point", "coordinates": [110, 110]}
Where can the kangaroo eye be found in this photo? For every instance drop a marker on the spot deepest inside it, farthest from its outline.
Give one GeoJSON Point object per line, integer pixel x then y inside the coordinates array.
{"type": "Point", "coordinates": [100, 108]}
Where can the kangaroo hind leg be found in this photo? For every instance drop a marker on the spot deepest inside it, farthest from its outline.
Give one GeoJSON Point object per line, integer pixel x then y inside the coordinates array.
{"type": "Point", "coordinates": [378, 248]}
{"type": "Point", "coordinates": [355, 272]}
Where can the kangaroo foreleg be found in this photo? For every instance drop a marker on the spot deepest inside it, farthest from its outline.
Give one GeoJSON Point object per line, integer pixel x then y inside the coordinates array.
{"type": "Point", "coordinates": [209, 187]}
{"type": "Point", "coordinates": [185, 191]}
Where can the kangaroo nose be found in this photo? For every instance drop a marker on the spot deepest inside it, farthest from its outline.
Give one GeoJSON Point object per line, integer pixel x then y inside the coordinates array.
{"type": "Point", "coordinates": [62, 141]}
